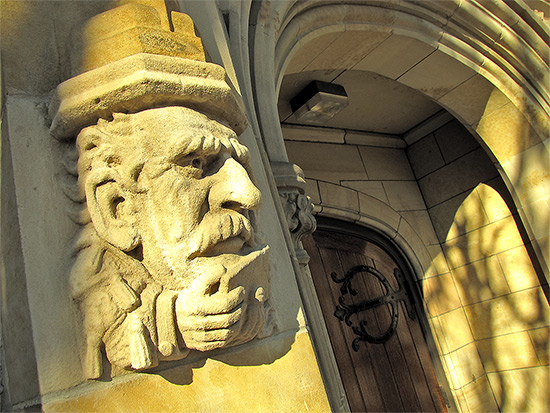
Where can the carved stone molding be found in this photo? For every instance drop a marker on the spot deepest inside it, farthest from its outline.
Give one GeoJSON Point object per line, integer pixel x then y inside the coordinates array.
{"type": "Point", "coordinates": [168, 257]}
{"type": "Point", "coordinates": [297, 205]}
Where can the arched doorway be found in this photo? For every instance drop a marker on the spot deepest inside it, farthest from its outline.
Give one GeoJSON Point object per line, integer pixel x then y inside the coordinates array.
{"type": "Point", "coordinates": [456, 63]}
{"type": "Point", "coordinates": [375, 320]}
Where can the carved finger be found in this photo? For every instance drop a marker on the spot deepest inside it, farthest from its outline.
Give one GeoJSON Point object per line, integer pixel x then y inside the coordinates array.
{"type": "Point", "coordinates": [223, 336]}
{"type": "Point", "coordinates": [203, 284]}
{"type": "Point", "coordinates": [218, 303]}
{"type": "Point", "coordinates": [202, 346]}
{"type": "Point", "coordinates": [210, 322]}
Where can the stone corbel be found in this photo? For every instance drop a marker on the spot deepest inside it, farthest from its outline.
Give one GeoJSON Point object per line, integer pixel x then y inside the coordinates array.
{"type": "Point", "coordinates": [297, 205]}
{"type": "Point", "coordinates": [151, 131]}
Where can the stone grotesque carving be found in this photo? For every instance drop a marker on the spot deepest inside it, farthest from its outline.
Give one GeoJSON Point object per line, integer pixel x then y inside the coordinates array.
{"type": "Point", "coordinates": [168, 259]}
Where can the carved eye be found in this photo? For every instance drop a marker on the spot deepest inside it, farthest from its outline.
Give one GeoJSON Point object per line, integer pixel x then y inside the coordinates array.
{"type": "Point", "coordinates": [193, 161]}
{"type": "Point", "coordinates": [197, 163]}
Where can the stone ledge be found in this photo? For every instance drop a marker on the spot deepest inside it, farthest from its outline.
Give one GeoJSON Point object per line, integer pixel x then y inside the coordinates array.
{"type": "Point", "coordinates": [291, 382]}
{"type": "Point", "coordinates": [139, 82]}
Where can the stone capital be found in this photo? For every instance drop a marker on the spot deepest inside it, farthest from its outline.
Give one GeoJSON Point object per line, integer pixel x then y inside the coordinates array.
{"type": "Point", "coordinates": [297, 205]}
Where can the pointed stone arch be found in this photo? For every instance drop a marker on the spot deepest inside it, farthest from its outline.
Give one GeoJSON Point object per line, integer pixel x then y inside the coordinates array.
{"type": "Point", "coordinates": [494, 56]}
{"type": "Point", "coordinates": [495, 59]}
{"type": "Point", "coordinates": [352, 206]}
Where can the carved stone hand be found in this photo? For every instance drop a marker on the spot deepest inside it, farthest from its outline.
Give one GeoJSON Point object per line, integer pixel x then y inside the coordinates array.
{"type": "Point", "coordinates": [208, 315]}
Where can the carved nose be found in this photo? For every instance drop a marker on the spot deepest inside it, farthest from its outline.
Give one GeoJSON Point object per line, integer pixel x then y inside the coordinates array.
{"type": "Point", "coordinates": [233, 188]}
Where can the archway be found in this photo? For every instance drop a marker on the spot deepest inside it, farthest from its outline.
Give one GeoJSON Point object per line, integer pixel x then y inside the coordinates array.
{"type": "Point", "coordinates": [493, 61]}
{"type": "Point", "coordinates": [469, 67]}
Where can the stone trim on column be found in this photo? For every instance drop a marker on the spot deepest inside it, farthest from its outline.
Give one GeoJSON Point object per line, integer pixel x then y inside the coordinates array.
{"type": "Point", "coordinates": [297, 205]}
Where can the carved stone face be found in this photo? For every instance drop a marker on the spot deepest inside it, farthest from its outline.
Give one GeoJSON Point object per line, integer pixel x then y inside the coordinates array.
{"type": "Point", "coordinates": [197, 228]}
{"type": "Point", "coordinates": [195, 209]}
{"type": "Point", "coordinates": [169, 190]}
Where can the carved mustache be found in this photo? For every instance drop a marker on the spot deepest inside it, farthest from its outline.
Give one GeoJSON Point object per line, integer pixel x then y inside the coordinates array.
{"type": "Point", "coordinates": [216, 228]}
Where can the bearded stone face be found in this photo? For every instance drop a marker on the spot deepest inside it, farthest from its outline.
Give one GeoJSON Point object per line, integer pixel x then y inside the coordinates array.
{"type": "Point", "coordinates": [198, 198]}
{"type": "Point", "coordinates": [197, 229]}
{"type": "Point", "coordinates": [172, 189]}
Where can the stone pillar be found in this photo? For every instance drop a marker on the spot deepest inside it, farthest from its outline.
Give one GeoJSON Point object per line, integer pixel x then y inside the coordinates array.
{"type": "Point", "coordinates": [168, 312]}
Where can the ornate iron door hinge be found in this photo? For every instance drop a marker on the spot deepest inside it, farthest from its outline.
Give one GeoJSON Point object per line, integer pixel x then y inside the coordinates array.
{"type": "Point", "coordinates": [390, 297]}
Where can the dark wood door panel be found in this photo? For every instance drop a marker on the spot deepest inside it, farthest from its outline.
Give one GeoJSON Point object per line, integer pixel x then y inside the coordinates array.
{"type": "Point", "coordinates": [396, 375]}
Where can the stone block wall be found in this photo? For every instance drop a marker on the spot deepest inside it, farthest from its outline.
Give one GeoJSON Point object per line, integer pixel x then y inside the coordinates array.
{"type": "Point", "coordinates": [442, 195]}
{"type": "Point", "coordinates": [376, 173]}
{"type": "Point", "coordinates": [371, 181]}
{"type": "Point", "coordinates": [17, 341]}
{"type": "Point", "coordinates": [484, 299]}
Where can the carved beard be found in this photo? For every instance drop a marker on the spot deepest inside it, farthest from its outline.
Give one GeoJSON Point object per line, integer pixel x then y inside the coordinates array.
{"type": "Point", "coordinates": [176, 250]}
{"type": "Point", "coordinates": [208, 286]}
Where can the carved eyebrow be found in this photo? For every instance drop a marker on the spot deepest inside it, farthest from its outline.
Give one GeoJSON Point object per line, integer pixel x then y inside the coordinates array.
{"type": "Point", "coordinates": [240, 151]}
{"type": "Point", "coordinates": [201, 145]}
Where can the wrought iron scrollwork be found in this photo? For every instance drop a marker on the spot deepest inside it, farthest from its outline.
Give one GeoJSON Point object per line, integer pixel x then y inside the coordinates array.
{"type": "Point", "coordinates": [390, 297]}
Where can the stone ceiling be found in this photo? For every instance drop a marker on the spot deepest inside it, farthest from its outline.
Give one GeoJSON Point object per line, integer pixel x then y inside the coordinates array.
{"type": "Point", "coordinates": [367, 64]}
{"type": "Point", "coordinates": [376, 103]}
{"type": "Point", "coordinates": [374, 68]}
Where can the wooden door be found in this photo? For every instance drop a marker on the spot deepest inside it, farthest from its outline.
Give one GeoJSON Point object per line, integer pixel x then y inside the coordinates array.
{"type": "Point", "coordinates": [393, 373]}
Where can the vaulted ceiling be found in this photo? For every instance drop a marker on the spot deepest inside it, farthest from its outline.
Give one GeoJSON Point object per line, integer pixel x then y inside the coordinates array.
{"type": "Point", "coordinates": [375, 68]}
{"type": "Point", "coordinates": [370, 67]}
